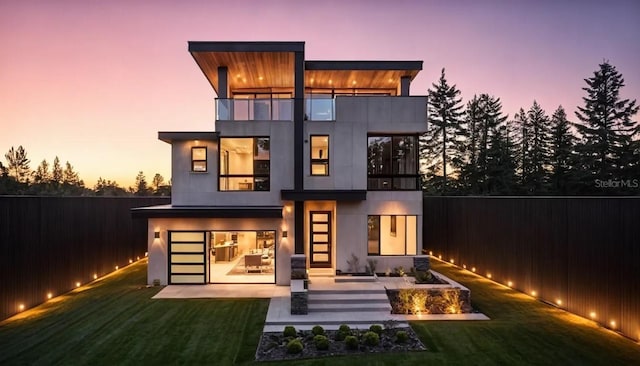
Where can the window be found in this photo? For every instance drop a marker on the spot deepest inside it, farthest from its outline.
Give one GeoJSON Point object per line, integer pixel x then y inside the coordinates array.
{"type": "Point", "coordinates": [244, 164]}
{"type": "Point", "coordinates": [319, 155]}
{"type": "Point", "coordinates": [391, 235]}
{"type": "Point", "coordinates": [392, 162]}
{"type": "Point", "coordinates": [199, 159]}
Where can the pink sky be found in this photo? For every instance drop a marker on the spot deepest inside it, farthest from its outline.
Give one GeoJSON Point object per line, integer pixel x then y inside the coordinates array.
{"type": "Point", "coordinates": [93, 81]}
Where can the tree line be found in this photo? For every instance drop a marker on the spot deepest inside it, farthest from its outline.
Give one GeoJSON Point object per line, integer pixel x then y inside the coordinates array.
{"type": "Point", "coordinates": [17, 177]}
{"type": "Point", "coordinates": [476, 149]}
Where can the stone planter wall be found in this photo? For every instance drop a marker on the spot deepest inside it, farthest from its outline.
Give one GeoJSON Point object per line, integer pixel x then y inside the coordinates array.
{"type": "Point", "coordinates": [299, 293]}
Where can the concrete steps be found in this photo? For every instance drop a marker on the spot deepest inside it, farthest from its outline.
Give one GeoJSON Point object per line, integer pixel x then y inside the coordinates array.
{"type": "Point", "coordinates": [326, 299]}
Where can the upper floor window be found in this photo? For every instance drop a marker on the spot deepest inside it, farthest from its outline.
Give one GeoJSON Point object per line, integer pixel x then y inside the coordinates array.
{"type": "Point", "coordinates": [392, 162]}
{"type": "Point", "coordinates": [320, 155]}
{"type": "Point", "coordinates": [199, 159]}
{"type": "Point", "coordinates": [244, 164]}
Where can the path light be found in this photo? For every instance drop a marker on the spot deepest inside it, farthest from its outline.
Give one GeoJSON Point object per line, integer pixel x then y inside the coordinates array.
{"type": "Point", "coordinates": [430, 253]}
{"type": "Point", "coordinates": [592, 315]}
{"type": "Point", "coordinates": [613, 324]}
{"type": "Point", "coordinates": [464, 266]}
{"type": "Point", "coordinates": [440, 256]}
{"type": "Point", "coordinates": [77, 284]}
{"type": "Point", "coordinates": [533, 293]}
{"type": "Point", "coordinates": [146, 254]}
{"type": "Point", "coordinates": [473, 269]}
{"type": "Point", "coordinates": [509, 283]}
{"type": "Point", "coordinates": [138, 258]}
{"type": "Point", "coordinates": [49, 295]}
{"type": "Point", "coordinates": [130, 261]}
{"type": "Point", "coordinates": [452, 261]}
{"type": "Point", "coordinates": [116, 268]}
{"type": "Point", "coordinates": [559, 302]}
{"type": "Point", "coordinates": [488, 275]}
{"type": "Point", "coordinates": [95, 276]}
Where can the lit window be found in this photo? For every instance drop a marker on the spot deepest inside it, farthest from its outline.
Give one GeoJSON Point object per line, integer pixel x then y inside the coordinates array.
{"type": "Point", "coordinates": [244, 164]}
{"type": "Point", "coordinates": [199, 159]}
{"type": "Point", "coordinates": [391, 235]}
{"type": "Point", "coordinates": [319, 155]}
{"type": "Point", "coordinates": [392, 162]}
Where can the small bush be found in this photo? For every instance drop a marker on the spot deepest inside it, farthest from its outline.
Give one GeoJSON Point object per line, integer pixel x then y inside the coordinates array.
{"type": "Point", "coordinates": [289, 331]}
{"type": "Point", "coordinates": [321, 342]}
{"type": "Point", "coordinates": [371, 339]}
{"type": "Point", "coordinates": [294, 346]}
{"type": "Point", "coordinates": [401, 336]}
{"type": "Point", "coordinates": [376, 328]}
{"type": "Point", "coordinates": [345, 328]}
{"type": "Point", "coordinates": [317, 330]}
{"type": "Point", "coordinates": [351, 342]}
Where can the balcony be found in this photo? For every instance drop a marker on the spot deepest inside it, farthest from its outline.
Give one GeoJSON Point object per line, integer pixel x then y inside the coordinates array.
{"type": "Point", "coordinates": [320, 109]}
{"type": "Point", "coordinates": [254, 109]}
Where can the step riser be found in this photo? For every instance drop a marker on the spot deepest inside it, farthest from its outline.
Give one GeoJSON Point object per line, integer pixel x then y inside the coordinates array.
{"type": "Point", "coordinates": [347, 301]}
{"type": "Point", "coordinates": [398, 324]}
{"type": "Point", "coordinates": [311, 291]}
{"type": "Point", "coordinates": [370, 310]}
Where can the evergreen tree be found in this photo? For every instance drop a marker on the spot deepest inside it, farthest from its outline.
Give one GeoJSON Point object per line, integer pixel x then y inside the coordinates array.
{"type": "Point", "coordinates": [141, 188]}
{"type": "Point", "coordinates": [438, 144]}
{"type": "Point", "coordinates": [18, 164]}
{"type": "Point", "coordinates": [158, 180]}
{"type": "Point", "coordinates": [521, 131]}
{"type": "Point", "coordinates": [538, 157]}
{"type": "Point", "coordinates": [562, 156]}
{"type": "Point", "coordinates": [606, 129]}
{"type": "Point", "coordinates": [41, 174]}
{"type": "Point", "coordinates": [501, 167]}
{"type": "Point", "coordinates": [69, 176]}
{"type": "Point", "coordinates": [56, 172]}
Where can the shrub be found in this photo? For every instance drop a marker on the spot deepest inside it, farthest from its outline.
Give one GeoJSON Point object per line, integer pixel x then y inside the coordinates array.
{"type": "Point", "coordinates": [343, 332]}
{"type": "Point", "coordinates": [345, 328]}
{"type": "Point", "coordinates": [371, 339]}
{"type": "Point", "coordinates": [321, 342]}
{"type": "Point", "coordinates": [401, 336]}
{"type": "Point", "coordinates": [424, 277]}
{"type": "Point", "coordinates": [351, 342]}
{"type": "Point", "coordinates": [376, 328]}
{"type": "Point", "coordinates": [294, 346]}
{"type": "Point", "coordinates": [317, 330]}
{"type": "Point", "coordinates": [289, 331]}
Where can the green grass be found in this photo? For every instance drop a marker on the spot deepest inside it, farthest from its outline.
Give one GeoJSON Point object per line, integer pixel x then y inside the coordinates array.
{"type": "Point", "coordinates": [114, 321]}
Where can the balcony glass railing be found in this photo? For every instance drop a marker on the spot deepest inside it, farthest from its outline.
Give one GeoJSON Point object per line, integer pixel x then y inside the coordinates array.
{"type": "Point", "coordinates": [320, 109]}
{"type": "Point", "coordinates": [254, 109]}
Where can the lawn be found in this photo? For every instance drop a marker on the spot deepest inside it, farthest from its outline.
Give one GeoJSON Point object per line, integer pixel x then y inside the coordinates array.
{"type": "Point", "coordinates": [114, 321]}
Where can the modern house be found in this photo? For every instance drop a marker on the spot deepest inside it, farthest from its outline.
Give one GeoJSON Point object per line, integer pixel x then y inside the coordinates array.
{"type": "Point", "coordinates": [305, 157]}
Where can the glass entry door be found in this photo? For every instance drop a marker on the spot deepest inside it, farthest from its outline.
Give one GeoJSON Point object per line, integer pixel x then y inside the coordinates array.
{"type": "Point", "coordinates": [320, 239]}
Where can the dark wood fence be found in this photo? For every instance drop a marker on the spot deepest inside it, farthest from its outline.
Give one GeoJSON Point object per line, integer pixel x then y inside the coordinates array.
{"type": "Point", "coordinates": [582, 251]}
{"type": "Point", "coordinates": [47, 244]}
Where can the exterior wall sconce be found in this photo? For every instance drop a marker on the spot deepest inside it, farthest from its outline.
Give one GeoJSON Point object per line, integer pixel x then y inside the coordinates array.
{"type": "Point", "coordinates": [285, 233]}
{"type": "Point", "coordinates": [156, 234]}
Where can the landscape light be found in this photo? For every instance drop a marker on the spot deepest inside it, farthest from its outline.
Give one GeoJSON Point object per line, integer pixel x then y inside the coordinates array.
{"type": "Point", "coordinates": [95, 276]}
{"type": "Point", "coordinates": [116, 268]}
{"type": "Point", "coordinates": [146, 254]}
{"type": "Point", "coordinates": [612, 323]}
{"type": "Point", "coordinates": [77, 284]}
{"type": "Point", "coordinates": [533, 293]}
{"type": "Point", "coordinates": [440, 256]}
{"type": "Point", "coordinates": [49, 295]}
{"type": "Point", "coordinates": [559, 302]}
{"type": "Point", "coordinates": [464, 266]}
{"type": "Point", "coordinates": [452, 261]}
{"type": "Point", "coordinates": [130, 261]}
{"type": "Point", "coordinates": [21, 307]}
{"type": "Point", "coordinates": [430, 253]}
{"type": "Point", "coordinates": [509, 283]}
{"type": "Point", "coordinates": [473, 269]}
{"type": "Point", "coordinates": [592, 315]}
{"type": "Point", "coordinates": [488, 275]}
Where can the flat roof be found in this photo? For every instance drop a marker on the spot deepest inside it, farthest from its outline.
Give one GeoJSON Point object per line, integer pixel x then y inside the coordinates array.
{"type": "Point", "coordinates": [170, 137]}
{"type": "Point", "coordinates": [229, 212]}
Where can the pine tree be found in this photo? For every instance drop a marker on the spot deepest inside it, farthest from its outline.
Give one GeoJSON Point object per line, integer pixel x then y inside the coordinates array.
{"type": "Point", "coordinates": [18, 164]}
{"type": "Point", "coordinates": [438, 144]}
{"type": "Point", "coordinates": [483, 118]}
{"type": "Point", "coordinates": [69, 176]}
{"type": "Point", "coordinates": [56, 172]}
{"type": "Point", "coordinates": [521, 132]}
{"type": "Point", "coordinates": [141, 188]}
{"type": "Point", "coordinates": [41, 174]}
{"type": "Point", "coordinates": [606, 129]}
{"type": "Point", "coordinates": [561, 154]}
{"type": "Point", "coordinates": [539, 161]}
{"type": "Point", "coordinates": [501, 167]}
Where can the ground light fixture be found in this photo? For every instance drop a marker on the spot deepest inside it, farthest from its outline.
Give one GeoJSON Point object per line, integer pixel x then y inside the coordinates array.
{"type": "Point", "coordinates": [559, 302]}
{"type": "Point", "coordinates": [534, 293]}
{"type": "Point", "coordinates": [21, 307]}
{"type": "Point", "coordinates": [509, 283]}
{"type": "Point", "coordinates": [489, 275]}
{"type": "Point", "coordinates": [77, 284]}
{"type": "Point", "coordinates": [95, 276]}
{"type": "Point", "coordinates": [612, 324]}
{"type": "Point", "coordinates": [592, 315]}
{"type": "Point", "coordinates": [49, 296]}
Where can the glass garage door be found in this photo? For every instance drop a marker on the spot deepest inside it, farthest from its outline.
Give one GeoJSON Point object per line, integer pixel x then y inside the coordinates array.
{"type": "Point", "coordinates": [187, 257]}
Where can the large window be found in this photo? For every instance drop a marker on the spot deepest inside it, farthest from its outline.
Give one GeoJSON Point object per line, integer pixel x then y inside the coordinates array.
{"type": "Point", "coordinates": [244, 164]}
{"type": "Point", "coordinates": [392, 162]}
{"type": "Point", "coordinates": [199, 159]}
{"type": "Point", "coordinates": [391, 235]}
{"type": "Point", "coordinates": [320, 155]}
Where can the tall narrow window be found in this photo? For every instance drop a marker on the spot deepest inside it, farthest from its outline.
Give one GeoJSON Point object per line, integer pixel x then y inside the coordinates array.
{"type": "Point", "coordinates": [320, 155]}
{"type": "Point", "coordinates": [245, 164]}
{"type": "Point", "coordinates": [199, 159]}
{"type": "Point", "coordinates": [392, 235]}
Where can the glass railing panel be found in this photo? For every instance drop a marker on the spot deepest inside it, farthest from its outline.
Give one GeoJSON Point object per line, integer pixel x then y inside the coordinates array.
{"type": "Point", "coordinates": [254, 109]}
{"type": "Point", "coordinates": [321, 109]}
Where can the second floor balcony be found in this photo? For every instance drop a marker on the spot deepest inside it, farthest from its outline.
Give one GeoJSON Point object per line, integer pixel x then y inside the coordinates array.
{"type": "Point", "coordinates": [269, 109]}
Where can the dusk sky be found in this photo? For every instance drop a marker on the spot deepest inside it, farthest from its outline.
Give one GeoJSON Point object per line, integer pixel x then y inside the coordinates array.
{"type": "Point", "coordinates": [94, 81]}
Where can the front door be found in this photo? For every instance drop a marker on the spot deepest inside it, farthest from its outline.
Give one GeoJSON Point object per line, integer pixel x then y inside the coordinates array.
{"type": "Point", "coordinates": [320, 239]}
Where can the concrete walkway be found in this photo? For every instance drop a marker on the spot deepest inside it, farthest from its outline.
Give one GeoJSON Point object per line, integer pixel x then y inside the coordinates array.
{"type": "Point", "coordinates": [222, 291]}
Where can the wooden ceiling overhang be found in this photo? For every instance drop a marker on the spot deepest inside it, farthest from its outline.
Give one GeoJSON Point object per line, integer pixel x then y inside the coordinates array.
{"type": "Point", "coordinates": [359, 74]}
{"type": "Point", "coordinates": [250, 65]}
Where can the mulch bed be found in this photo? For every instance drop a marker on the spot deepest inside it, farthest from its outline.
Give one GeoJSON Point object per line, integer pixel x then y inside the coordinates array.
{"type": "Point", "coordinates": [273, 345]}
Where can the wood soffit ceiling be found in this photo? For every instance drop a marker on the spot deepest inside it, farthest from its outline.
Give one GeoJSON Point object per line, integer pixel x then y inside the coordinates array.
{"type": "Point", "coordinates": [255, 70]}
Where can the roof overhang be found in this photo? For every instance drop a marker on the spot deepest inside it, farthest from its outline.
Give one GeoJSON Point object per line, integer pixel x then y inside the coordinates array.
{"type": "Point", "coordinates": [227, 212]}
{"type": "Point", "coordinates": [250, 65]}
{"type": "Point", "coordinates": [324, 195]}
{"type": "Point", "coordinates": [359, 74]}
{"type": "Point", "coordinates": [170, 137]}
